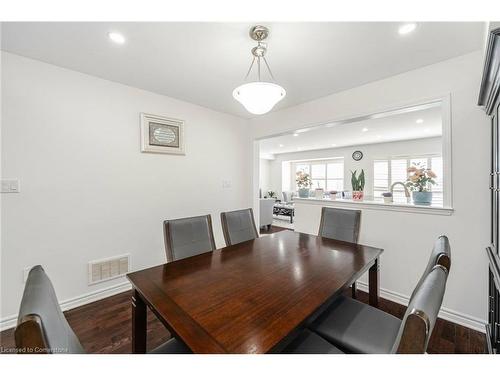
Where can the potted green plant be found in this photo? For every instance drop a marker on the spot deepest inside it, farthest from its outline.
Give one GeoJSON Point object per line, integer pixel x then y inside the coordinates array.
{"type": "Point", "coordinates": [271, 194]}
{"type": "Point", "coordinates": [419, 181]}
{"type": "Point", "coordinates": [358, 185]}
{"type": "Point", "coordinates": [303, 183]}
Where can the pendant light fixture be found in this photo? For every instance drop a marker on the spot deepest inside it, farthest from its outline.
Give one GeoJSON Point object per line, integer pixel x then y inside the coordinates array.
{"type": "Point", "coordinates": [259, 97]}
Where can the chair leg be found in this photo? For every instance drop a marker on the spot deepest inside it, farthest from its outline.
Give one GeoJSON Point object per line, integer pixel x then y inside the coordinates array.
{"type": "Point", "coordinates": [353, 290]}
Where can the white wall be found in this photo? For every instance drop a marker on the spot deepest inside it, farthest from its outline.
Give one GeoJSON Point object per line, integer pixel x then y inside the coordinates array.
{"type": "Point", "coordinates": [264, 175]}
{"type": "Point", "coordinates": [371, 152]}
{"type": "Point", "coordinates": [87, 192]}
{"type": "Point", "coordinates": [408, 237]}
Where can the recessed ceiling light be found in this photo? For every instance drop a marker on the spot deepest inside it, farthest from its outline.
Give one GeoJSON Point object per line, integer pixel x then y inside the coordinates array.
{"type": "Point", "coordinates": [281, 145]}
{"type": "Point", "coordinates": [295, 134]}
{"type": "Point", "coordinates": [407, 28]}
{"type": "Point", "coordinates": [299, 148]}
{"type": "Point", "coordinates": [419, 121]}
{"type": "Point", "coordinates": [334, 144]}
{"type": "Point", "coordinates": [379, 136]}
{"type": "Point", "coordinates": [364, 129]}
{"type": "Point", "coordinates": [427, 130]}
{"type": "Point", "coordinates": [116, 37]}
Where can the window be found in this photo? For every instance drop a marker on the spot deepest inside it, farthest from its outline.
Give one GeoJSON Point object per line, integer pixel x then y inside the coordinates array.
{"type": "Point", "coordinates": [325, 174]}
{"type": "Point", "coordinates": [391, 170]}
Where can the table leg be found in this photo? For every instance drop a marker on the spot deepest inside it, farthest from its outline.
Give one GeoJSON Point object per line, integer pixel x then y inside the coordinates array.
{"type": "Point", "coordinates": [139, 324]}
{"type": "Point", "coordinates": [373, 283]}
{"type": "Point", "coordinates": [354, 292]}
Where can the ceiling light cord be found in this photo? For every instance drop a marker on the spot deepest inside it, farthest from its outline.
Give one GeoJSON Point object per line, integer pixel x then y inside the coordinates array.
{"type": "Point", "coordinates": [250, 69]}
{"type": "Point", "coordinates": [269, 69]}
{"type": "Point", "coordinates": [258, 53]}
{"type": "Point", "coordinates": [258, 68]}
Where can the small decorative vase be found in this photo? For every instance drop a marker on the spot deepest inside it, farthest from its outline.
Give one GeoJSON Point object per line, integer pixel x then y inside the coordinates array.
{"type": "Point", "coordinates": [387, 199]}
{"type": "Point", "coordinates": [357, 195]}
{"type": "Point", "coordinates": [319, 193]}
{"type": "Point", "coordinates": [422, 197]}
{"type": "Point", "coordinates": [304, 193]}
{"type": "Point", "coordinates": [333, 196]}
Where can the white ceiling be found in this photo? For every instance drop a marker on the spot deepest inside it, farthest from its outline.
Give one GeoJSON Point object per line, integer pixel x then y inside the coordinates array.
{"type": "Point", "coordinates": [395, 127]}
{"type": "Point", "coordinates": [203, 62]}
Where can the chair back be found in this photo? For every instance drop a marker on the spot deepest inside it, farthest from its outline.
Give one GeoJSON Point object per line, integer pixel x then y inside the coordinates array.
{"type": "Point", "coordinates": [441, 254]}
{"type": "Point", "coordinates": [188, 237]}
{"type": "Point", "coordinates": [421, 314]}
{"type": "Point", "coordinates": [238, 226]}
{"type": "Point", "coordinates": [340, 224]}
{"type": "Point", "coordinates": [41, 325]}
{"type": "Point", "coordinates": [266, 207]}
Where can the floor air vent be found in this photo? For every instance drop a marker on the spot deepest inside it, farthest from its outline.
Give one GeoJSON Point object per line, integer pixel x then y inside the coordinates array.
{"type": "Point", "coordinates": [109, 268]}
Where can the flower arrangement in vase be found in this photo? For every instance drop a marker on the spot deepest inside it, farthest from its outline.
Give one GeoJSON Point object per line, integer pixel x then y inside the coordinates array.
{"type": "Point", "coordinates": [419, 182]}
{"type": "Point", "coordinates": [303, 183]}
{"type": "Point", "coordinates": [358, 185]}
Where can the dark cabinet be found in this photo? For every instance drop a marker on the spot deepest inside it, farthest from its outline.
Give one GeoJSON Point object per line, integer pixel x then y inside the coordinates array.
{"type": "Point", "coordinates": [489, 98]}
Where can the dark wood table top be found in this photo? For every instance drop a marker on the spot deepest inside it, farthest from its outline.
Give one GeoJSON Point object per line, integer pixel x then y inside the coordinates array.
{"type": "Point", "coordinates": [247, 297]}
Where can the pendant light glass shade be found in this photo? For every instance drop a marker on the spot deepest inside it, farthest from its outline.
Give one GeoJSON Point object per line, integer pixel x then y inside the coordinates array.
{"type": "Point", "coordinates": [259, 97]}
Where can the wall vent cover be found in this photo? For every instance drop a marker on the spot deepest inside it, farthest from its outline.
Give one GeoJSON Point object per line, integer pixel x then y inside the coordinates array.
{"type": "Point", "coordinates": [108, 269]}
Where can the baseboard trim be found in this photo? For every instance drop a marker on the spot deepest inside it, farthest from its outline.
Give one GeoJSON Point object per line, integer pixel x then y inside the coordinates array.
{"type": "Point", "coordinates": [445, 313]}
{"type": "Point", "coordinates": [71, 303]}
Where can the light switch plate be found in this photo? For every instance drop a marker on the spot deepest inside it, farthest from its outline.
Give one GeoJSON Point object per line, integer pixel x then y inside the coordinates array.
{"type": "Point", "coordinates": [10, 185]}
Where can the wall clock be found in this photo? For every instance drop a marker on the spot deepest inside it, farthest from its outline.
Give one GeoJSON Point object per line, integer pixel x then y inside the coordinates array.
{"type": "Point", "coordinates": [357, 155]}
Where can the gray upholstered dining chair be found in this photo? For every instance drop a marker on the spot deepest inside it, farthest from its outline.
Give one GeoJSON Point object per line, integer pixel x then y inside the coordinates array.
{"type": "Point", "coordinates": [188, 237]}
{"type": "Point", "coordinates": [308, 342]}
{"type": "Point", "coordinates": [340, 224]}
{"type": "Point", "coordinates": [42, 327]}
{"type": "Point", "coordinates": [356, 327]}
{"type": "Point", "coordinates": [238, 226]}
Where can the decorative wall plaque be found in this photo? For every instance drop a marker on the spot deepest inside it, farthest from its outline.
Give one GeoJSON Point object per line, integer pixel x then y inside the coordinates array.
{"type": "Point", "coordinates": [162, 134]}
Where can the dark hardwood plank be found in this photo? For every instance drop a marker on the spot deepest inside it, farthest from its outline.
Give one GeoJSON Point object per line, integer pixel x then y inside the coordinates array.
{"type": "Point", "coordinates": [246, 298]}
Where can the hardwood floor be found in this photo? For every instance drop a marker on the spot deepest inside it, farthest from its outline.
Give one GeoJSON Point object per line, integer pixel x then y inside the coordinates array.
{"type": "Point", "coordinates": [105, 326]}
{"type": "Point", "coordinates": [273, 229]}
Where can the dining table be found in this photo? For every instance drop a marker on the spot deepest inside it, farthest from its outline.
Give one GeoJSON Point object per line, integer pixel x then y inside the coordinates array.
{"type": "Point", "coordinates": [252, 297]}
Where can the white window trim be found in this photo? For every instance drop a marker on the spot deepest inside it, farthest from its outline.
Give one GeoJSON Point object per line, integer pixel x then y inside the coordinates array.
{"type": "Point", "coordinates": [408, 157]}
{"type": "Point", "coordinates": [310, 162]}
{"type": "Point", "coordinates": [444, 99]}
